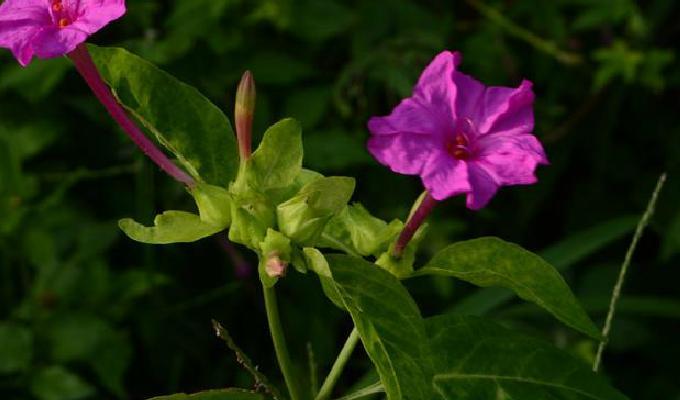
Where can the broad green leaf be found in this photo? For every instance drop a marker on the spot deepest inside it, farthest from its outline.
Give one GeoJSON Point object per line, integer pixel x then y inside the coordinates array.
{"type": "Point", "coordinates": [170, 227]}
{"type": "Point", "coordinates": [317, 263]}
{"type": "Point", "coordinates": [492, 262]}
{"type": "Point", "coordinates": [278, 160]}
{"type": "Point", "coordinates": [221, 394]}
{"type": "Point", "coordinates": [356, 230]}
{"type": "Point", "coordinates": [474, 359]}
{"type": "Point", "coordinates": [389, 322]}
{"type": "Point", "coordinates": [561, 255]}
{"type": "Point", "coordinates": [57, 383]}
{"type": "Point", "coordinates": [182, 119]}
{"type": "Point", "coordinates": [16, 348]}
{"type": "Point", "coordinates": [304, 217]}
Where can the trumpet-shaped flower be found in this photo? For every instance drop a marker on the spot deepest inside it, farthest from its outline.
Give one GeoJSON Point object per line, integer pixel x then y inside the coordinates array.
{"type": "Point", "coordinates": [460, 136]}
{"type": "Point", "coordinates": [52, 28]}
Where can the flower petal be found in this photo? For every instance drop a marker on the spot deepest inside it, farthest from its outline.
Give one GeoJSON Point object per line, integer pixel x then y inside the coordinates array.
{"type": "Point", "coordinates": [408, 117]}
{"type": "Point", "coordinates": [55, 42]}
{"type": "Point", "coordinates": [509, 110]}
{"type": "Point", "coordinates": [404, 153]}
{"type": "Point", "coordinates": [95, 14]}
{"type": "Point", "coordinates": [511, 158]}
{"type": "Point", "coordinates": [484, 187]}
{"type": "Point", "coordinates": [30, 10]}
{"type": "Point", "coordinates": [435, 88]}
{"type": "Point", "coordinates": [445, 176]}
{"type": "Point", "coordinates": [469, 96]}
{"type": "Point", "coordinates": [17, 36]}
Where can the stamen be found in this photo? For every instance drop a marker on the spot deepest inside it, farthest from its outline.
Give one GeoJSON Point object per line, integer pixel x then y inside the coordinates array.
{"type": "Point", "coordinates": [458, 148]}
{"type": "Point", "coordinates": [63, 23]}
{"type": "Point", "coordinates": [57, 6]}
{"type": "Point", "coordinates": [461, 154]}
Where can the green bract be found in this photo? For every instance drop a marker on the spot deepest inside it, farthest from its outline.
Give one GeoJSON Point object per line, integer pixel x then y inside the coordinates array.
{"type": "Point", "coordinates": [304, 217]}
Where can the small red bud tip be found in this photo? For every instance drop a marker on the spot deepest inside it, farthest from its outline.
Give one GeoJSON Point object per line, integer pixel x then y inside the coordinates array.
{"type": "Point", "coordinates": [63, 23]}
{"type": "Point", "coordinates": [243, 114]}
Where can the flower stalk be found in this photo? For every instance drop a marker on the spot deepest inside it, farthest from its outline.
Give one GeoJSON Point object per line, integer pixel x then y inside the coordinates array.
{"type": "Point", "coordinates": [279, 339]}
{"type": "Point", "coordinates": [414, 222]}
{"type": "Point", "coordinates": [88, 70]}
{"type": "Point", "coordinates": [338, 366]}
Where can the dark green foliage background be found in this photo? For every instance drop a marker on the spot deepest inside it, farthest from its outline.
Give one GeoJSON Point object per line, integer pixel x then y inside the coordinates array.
{"type": "Point", "coordinates": [87, 313]}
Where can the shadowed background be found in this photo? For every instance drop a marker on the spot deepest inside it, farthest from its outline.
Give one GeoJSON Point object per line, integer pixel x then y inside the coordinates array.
{"type": "Point", "coordinates": [85, 313]}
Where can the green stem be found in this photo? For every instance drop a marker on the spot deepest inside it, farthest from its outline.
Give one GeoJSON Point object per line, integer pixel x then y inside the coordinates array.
{"type": "Point", "coordinates": [280, 343]}
{"type": "Point", "coordinates": [644, 221]}
{"type": "Point", "coordinates": [338, 366]}
{"type": "Point", "coordinates": [522, 33]}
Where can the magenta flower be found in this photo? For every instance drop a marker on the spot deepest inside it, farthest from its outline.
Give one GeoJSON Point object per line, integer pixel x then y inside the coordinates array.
{"type": "Point", "coordinates": [52, 28]}
{"type": "Point", "coordinates": [460, 136]}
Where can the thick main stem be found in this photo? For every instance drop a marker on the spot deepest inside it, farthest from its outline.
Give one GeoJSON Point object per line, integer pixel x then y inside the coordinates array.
{"type": "Point", "coordinates": [414, 222]}
{"type": "Point", "coordinates": [279, 340]}
{"type": "Point", "coordinates": [338, 366]}
{"type": "Point", "coordinates": [88, 70]}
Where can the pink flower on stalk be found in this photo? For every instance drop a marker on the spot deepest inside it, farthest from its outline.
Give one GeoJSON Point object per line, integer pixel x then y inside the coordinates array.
{"type": "Point", "coordinates": [460, 136]}
{"type": "Point", "coordinates": [52, 28]}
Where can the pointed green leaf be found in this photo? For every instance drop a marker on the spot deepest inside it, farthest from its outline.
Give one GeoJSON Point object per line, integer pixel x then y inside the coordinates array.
{"type": "Point", "coordinates": [180, 117]}
{"type": "Point", "coordinates": [170, 227]}
{"type": "Point", "coordinates": [389, 323]}
{"type": "Point", "coordinates": [561, 255]}
{"type": "Point", "coordinates": [221, 394]}
{"type": "Point", "coordinates": [475, 359]}
{"type": "Point", "coordinates": [278, 159]}
{"type": "Point", "coordinates": [492, 262]}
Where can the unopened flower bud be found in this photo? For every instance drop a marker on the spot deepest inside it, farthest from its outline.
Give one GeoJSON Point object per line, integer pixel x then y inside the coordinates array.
{"type": "Point", "coordinates": [275, 267]}
{"type": "Point", "coordinates": [244, 111]}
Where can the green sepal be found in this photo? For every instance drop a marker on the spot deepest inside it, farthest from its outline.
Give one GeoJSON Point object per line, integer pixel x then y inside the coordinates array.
{"type": "Point", "coordinates": [304, 217]}
{"type": "Point", "coordinates": [356, 230]}
{"type": "Point", "coordinates": [214, 204]}
{"type": "Point", "coordinates": [403, 267]}
{"type": "Point", "coordinates": [246, 228]}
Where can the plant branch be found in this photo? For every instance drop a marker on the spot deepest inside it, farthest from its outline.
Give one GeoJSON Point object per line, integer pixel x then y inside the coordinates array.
{"type": "Point", "coordinates": [88, 70]}
{"type": "Point", "coordinates": [338, 366]}
{"type": "Point", "coordinates": [526, 35]}
{"type": "Point", "coordinates": [261, 381]}
{"type": "Point", "coordinates": [616, 294]}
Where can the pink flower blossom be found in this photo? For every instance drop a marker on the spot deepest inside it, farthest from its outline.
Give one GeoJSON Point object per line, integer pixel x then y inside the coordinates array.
{"type": "Point", "coordinates": [52, 28]}
{"type": "Point", "coordinates": [460, 136]}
